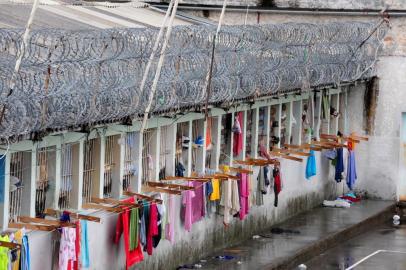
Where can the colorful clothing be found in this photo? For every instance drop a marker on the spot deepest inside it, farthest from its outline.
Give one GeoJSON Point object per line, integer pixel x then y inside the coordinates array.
{"type": "Point", "coordinates": [170, 225]}
{"type": "Point", "coordinates": [122, 227]}
{"type": "Point", "coordinates": [187, 203]}
{"type": "Point", "coordinates": [18, 236]}
{"type": "Point", "coordinates": [311, 165]}
{"type": "Point", "coordinates": [244, 195]}
{"type": "Point", "coordinates": [339, 165]}
{"type": "Point", "coordinates": [215, 195]}
{"type": "Point", "coordinates": [198, 208]}
{"type": "Point", "coordinates": [277, 187]}
{"type": "Point", "coordinates": [237, 133]}
{"type": "Point", "coordinates": [4, 259]}
{"type": "Point", "coordinates": [152, 228]}
{"type": "Point", "coordinates": [25, 261]}
{"type": "Point", "coordinates": [84, 244]}
{"type": "Point", "coordinates": [67, 249]}
{"type": "Point", "coordinates": [351, 170]}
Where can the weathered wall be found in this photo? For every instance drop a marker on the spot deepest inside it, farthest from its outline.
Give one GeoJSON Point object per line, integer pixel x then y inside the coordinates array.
{"type": "Point", "coordinates": [207, 235]}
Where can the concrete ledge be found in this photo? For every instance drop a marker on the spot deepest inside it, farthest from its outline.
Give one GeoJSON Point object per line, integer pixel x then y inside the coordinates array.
{"type": "Point", "coordinates": [331, 240]}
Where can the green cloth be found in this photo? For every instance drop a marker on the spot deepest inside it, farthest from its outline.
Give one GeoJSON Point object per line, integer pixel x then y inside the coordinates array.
{"type": "Point", "coordinates": [4, 253]}
{"type": "Point", "coordinates": [134, 219]}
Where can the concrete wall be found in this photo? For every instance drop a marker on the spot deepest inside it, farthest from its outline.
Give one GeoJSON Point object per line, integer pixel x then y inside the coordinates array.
{"type": "Point", "coordinates": [208, 235]}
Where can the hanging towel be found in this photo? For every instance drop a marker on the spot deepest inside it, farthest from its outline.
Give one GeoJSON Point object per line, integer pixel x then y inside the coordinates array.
{"type": "Point", "coordinates": [244, 195]}
{"type": "Point", "coordinates": [339, 165]}
{"type": "Point", "coordinates": [351, 170]}
{"type": "Point", "coordinates": [18, 236]}
{"type": "Point", "coordinates": [187, 203]}
{"type": "Point", "coordinates": [85, 245]}
{"type": "Point", "coordinates": [311, 165]}
{"type": "Point", "coordinates": [122, 227]}
{"type": "Point", "coordinates": [237, 133]}
{"type": "Point", "coordinates": [208, 133]}
{"type": "Point", "coordinates": [25, 260]}
{"type": "Point", "coordinates": [153, 227]}
{"type": "Point", "coordinates": [170, 225]}
{"type": "Point", "coordinates": [226, 201]}
{"type": "Point", "coordinates": [277, 185]}
{"type": "Point", "coordinates": [67, 249]}
{"type": "Point", "coordinates": [198, 208]}
{"type": "Point", "coordinates": [133, 228]}
{"type": "Point", "coordinates": [4, 259]}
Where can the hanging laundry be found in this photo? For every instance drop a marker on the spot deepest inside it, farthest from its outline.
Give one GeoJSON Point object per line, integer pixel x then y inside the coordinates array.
{"type": "Point", "coordinates": [187, 204]}
{"type": "Point", "coordinates": [144, 214]}
{"type": "Point", "coordinates": [77, 248]}
{"type": "Point", "coordinates": [351, 170]}
{"type": "Point", "coordinates": [311, 165]}
{"type": "Point", "coordinates": [208, 134]}
{"type": "Point", "coordinates": [122, 227]}
{"type": "Point", "coordinates": [215, 195]}
{"type": "Point", "coordinates": [4, 259]}
{"type": "Point", "coordinates": [277, 187]}
{"type": "Point", "coordinates": [254, 184]}
{"type": "Point", "coordinates": [325, 106]}
{"type": "Point", "coordinates": [67, 249]}
{"type": "Point", "coordinates": [84, 245]}
{"type": "Point", "coordinates": [339, 165]}
{"type": "Point", "coordinates": [134, 219]}
{"type": "Point", "coordinates": [25, 260]}
{"type": "Point", "coordinates": [225, 202]}
{"type": "Point", "coordinates": [152, 228]}
{"type": "Point", "coordinates": [18, 236]}
{"type": "Point", "coordinates": [263, 152]}
{"type": "Point", "coordinates": [170, 225]}
{"type": "Point", "coordinates": [244, 195]}
{"type": "Point", "coordinates": [162, 217]}
{"type": "Point", "coordinates": [180, 170]}
{"type": "Point", "coordinates": [237, 133]}
{"type": "Point", "coordinates": [261, 189]}
{"type": "Point", "coordinates": [198, 208]}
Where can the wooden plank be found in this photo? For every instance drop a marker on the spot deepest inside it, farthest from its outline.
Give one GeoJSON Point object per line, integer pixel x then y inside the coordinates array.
{"type": "Point", "coordinates": [161, 190]}
{"type": "Point", "coordinates": [25, 219]}
{"type": "Point", "coordinates": [113, 201]}
{"type": "Point", "coordinates": [171, 186]}
{"type": "Point", "coordinates": [142, 196]}
{"type": "Point", "coordinates": [287, 151]}
{"type": "Point", "coordinates": [53, 212]}
{"type": "Point", "coordinates": [9, 245]}
{"type": "Point", "coordinates": [101, 207]}
{"type": "Point", "coordinates": [36, 227]}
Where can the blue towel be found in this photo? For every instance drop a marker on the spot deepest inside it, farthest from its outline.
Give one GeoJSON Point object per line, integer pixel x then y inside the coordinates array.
{"type": "Point", "coordinates": [84, 241]}
{"type": "Point", "coordinates": [351, 170]}
{"type": "Point", "coordinates": [311, 165]}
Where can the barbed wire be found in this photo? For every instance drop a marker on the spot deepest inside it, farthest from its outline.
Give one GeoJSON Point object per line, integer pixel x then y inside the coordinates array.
{"type": "Point", "coordinates": [73, 78]}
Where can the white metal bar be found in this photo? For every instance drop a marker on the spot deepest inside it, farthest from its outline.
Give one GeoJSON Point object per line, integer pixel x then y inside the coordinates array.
{"type": "Point", "coordinates": [58, 174]}
{"type": "Point", "coordinates": [254, 133]}
{"type": "Point", "coordinates": [4, 210]}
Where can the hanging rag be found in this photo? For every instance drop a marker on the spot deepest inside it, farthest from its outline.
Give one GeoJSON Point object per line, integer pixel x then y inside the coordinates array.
{"type": "Point", "coordinates": [351, 170]}
{"type": "Point", "coordinates": [226, 201]}
{"type": "Point", "coordinates": [277, 184]}
{"type": "Point", "coordinates": [244, 195]}
{"type": "Point", "coordinates": [75, 263]}
{"type": "Point", "coordinates": [208, 134]}
{"type": "Point", "coordinates": [84, 245]}
{"type": "Point", "coordinates": [25, 260]}
{"type": "Point", "coordinates": [4, 259]}
{"type": "Point", "coordinates": [237, 133]}
{"type": "Point", "coordinates": [170, 225]}
{"type": "Point", "coordinates": [67, 249]}
{"type": "Point", "coordinates": [198, 208]}
{"type": "Point", "coordinates": [122, 227]}
{"type": "Point", "coordinates": [152, 228]}
{"type": "Point", "coordinates": [261, 189]}
{"type": "Point", "coordinates": [215, 195]}
{"type": "Point", "coordinates": [187, 204]}
{"type": "Point", "coordinates": [311, 165]}
{"type": "Point", "coordinates": [180, 170]}
{"type": "Point", "coordinates": [339, 165]}
{"type": "Point", "coordinates": [134, 219]}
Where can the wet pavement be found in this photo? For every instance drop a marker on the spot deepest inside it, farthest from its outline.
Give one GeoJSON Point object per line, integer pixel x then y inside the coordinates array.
{"type": "Point", "coordinates": [272, 249]}
{"type": "Point", "coordinates": [382, 248]}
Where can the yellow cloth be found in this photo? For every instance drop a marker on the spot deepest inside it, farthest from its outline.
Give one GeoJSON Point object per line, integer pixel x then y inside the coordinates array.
{"type": "Point", "coordinates": [18, 236]}
{"type": "Point", "coordinates": [4, 253]}
{"type": "Point", "coordinates": [215, 195]}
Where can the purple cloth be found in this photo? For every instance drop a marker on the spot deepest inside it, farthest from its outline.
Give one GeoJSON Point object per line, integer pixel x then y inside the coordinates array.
{"type": "Point", "coordinates": [351, 170]}
{"type": "Point", "coordinates": [243, 191]}
{"type": "Point", "coordinates": [188, 211]}
{"type": "Point", "coordinates": [198, 208]}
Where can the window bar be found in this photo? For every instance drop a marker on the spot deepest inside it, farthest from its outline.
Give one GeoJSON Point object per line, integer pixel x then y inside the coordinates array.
{"type": "Point", "coordinates": [194, 146]}
{"type": "Point", "coordinates": [42, 182]}
{"type": "Point", "coordinates": [88, 170]}
{"type": "Point", "coordinates": [129, 160]}
{"type": "Point", "coordinates": [146, 155]}
{"type": "Point", "coordinates": [16, 185]}
{"type": "Point", "coordinates": [163, 152]}
{"type": "Point", "coordinates": [66, 177]}
{"type": "Point", "coordinates": [108, 167]}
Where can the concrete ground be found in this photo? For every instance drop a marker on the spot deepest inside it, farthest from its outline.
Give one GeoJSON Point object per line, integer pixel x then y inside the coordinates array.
{"type": "Point", "coordinates": [384, 247]}
{"type": "Point", "coordinates": [315, 230]}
